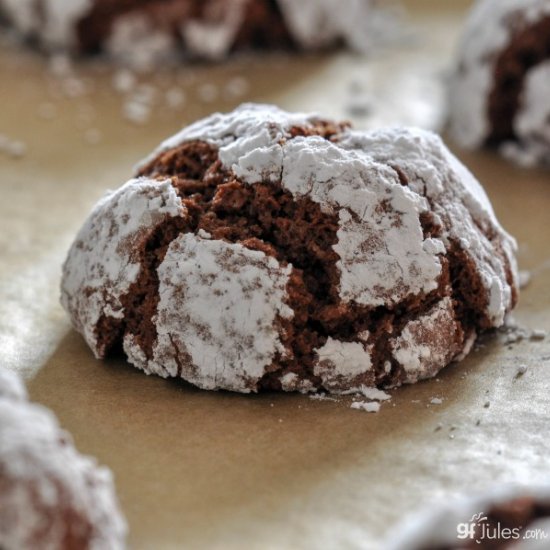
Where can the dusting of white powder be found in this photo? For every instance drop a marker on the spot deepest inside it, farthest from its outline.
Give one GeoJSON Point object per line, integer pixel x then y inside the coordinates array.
{"type": "Point", "coordinates": [136, 42]}
{"type": "Point", "coordinates": [217, 315]}
{"type": "Point", "coordinates": [53, 20]}
{"type": "Point", "coordinates": [487, 32]}
{"type": "Point", "coordinates": [366, 406]}
{"type": "Point", "coordinates": [318, 23]}
{"type": "Point", "coordinates": [532, 122]}
{"type": "Point", "coordinates": [457, 200]}
{"type": "Point", "coordinates": [11, 386]}
{"type": "Point", "coordinates": [100, 266]}
{"type": "Point", "coordinates": [224, 331]}
{"type": "Point", "coordinates": [137, 38]}
{"type": "Point", "coordinates": [424, 344]}
{"type": "Point", "coordinates": [214, 38]}
{"type": "Point", "coordinates": [45, 481]}
{"type": "Point", "coordinates": [375, 394]}
{"type": "Point", "coordinates": [341, 363]}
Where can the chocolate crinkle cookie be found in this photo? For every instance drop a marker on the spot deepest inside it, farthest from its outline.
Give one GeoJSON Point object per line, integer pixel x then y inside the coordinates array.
{"type": "Point", "coordinates": [51, 497]}
{"type": "Point", "coordinates": [499, 92]}
{"type": "Point", "coordinates": [507, 518]}
{"type": "Point", "coordinates": [266, 250]}
{"type": "Point", "coordinates": [137, 31]}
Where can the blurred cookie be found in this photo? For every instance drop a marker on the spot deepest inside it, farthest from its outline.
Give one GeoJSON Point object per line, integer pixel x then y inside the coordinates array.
{"type": "Point", "coordinates": [50, 495]}
{"type": "Point", "coordinates": [499, 90]}
{"type": "Point", "coordinates": [141, 33]}
{"type": "Point", "coordinates": [503, 519]}
{"type": "Point", "coordinates": [266, 250]}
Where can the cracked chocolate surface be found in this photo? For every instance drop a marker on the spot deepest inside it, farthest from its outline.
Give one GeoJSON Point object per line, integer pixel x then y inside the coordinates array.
{"type": "Point", "coordinates": [286, 252]}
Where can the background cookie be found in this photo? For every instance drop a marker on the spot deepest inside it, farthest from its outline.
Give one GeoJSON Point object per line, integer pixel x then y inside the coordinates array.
{"type": "Point", "coordinates": [267, 250]}
{"type": "Point", "coordinates": [141, 32]}
{"type": "Point", "coordinates": [50, 496]}
{"type": "Point", "coordinates": [505, 518]}
{"type": "Point", "coordinates": [499, 89]}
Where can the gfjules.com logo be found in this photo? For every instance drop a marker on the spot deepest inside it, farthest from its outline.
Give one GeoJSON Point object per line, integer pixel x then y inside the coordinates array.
{"type": "Point", "coordinates": [479, 529]}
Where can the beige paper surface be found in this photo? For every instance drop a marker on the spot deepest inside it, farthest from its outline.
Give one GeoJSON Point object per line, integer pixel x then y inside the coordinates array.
{"type": "Point", "coordinates": [215, 470]}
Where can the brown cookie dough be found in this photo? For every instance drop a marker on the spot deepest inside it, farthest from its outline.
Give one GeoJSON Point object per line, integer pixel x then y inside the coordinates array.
{"type": "Point", "coordinates": [267, 250]}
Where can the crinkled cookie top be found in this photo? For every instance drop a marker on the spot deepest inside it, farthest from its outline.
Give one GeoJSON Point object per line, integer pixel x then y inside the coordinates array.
{"type": "Point", "coordinates": [405, 260]}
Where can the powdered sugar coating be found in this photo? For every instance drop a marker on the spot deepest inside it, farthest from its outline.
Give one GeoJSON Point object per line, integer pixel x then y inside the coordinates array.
{"type": "Point", "coordinates": [213, 38]}
{"type": "Point", "coordinates": [11, 386]}
{"type": "Point", "coordinates": [384, 256]}
{"type": "Point", "coordinates": [316, 23]}
{"type": "Point", "coordinates": [51, 497]}
{"type": "Point", "coordinates": [456, 199]}
{"type": "Point", "coordinates": [425, 343]}
{"type": "Point", "coordinates": [217, 330]}
{"type": "Point", "coordinates": [101, 266]}
{"type": "Point", "coordinates": [136, 42]}
{"type": "Point", "coordinates": [488, 30]}
{"type": "Point", "coordinates": [532, 124]}
{"type": "Point", "coordinates": [53, 21]}
{"type": "Point", "coordinates": [136, 35]}
{"type": "Point", "coordinates": [217, 319]}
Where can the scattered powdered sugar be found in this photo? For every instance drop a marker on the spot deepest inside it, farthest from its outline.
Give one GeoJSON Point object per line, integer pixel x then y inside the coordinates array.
{"type": "Point", "coordinates": [101, 266]}
{"type": "Point", "coordinates": [12, 148]}
{"type": "Point", "coordinates": [487, 32]}
{"type": "Point", "coordinates": [342, 364]}
{"type": "Point", "coordinates": [366, 406]}
{"type": "Point", "coordinates": [322, 397]}
{"type": "Point", "coordinates": [218, 314]}
{"type": "Point", "coordinates": [524, 279]}
{"type": "Point", "coordinates": [513, 333]}
{"type": "Point", "coordinates": [51, 495]}
{"type": "Point", "coordinates": [436, 401]}
{"type": "Point", "coordinates": [375, 394]}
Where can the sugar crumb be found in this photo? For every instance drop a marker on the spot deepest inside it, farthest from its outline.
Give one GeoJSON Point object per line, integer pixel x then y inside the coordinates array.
{"type": "Point", "coordinates": [367, 406]}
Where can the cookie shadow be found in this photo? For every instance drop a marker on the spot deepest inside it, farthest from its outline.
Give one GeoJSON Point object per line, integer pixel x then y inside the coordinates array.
{"type": "Point", "coordinates": [194, 468]}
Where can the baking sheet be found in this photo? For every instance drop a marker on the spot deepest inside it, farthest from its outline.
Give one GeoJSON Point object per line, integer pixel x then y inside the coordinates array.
{"type": "Point", "coordinates": [214, 470]}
